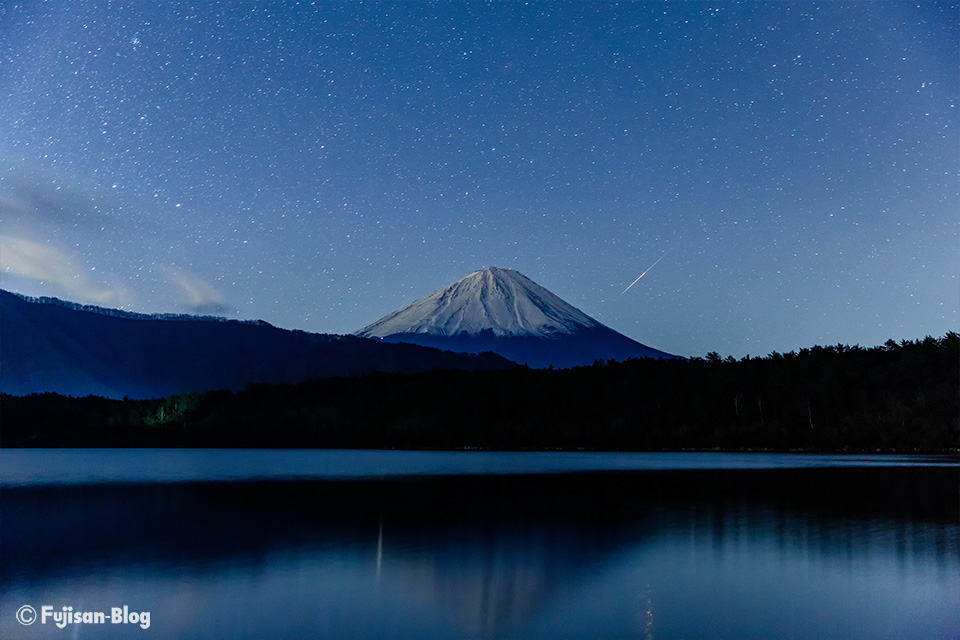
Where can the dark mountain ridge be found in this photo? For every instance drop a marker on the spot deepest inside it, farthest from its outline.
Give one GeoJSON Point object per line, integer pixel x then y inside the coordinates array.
{"type": "Point", "coordinates": [47, 345]}
{"type": "Point", "coordinates": [895, 398]}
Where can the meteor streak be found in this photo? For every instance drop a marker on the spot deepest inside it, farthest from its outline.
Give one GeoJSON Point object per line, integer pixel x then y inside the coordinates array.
{"type": "Point", "coordinates": [648, 269]}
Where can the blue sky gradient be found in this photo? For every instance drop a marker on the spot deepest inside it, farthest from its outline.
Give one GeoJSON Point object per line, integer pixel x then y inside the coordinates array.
{"type": "Point", "coordinates": [318, 165]}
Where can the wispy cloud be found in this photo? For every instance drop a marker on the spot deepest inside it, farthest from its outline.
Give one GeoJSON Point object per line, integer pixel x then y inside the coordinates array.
{"type": "Point", "coordinates": [42, 262]}
{"type": "Point", "coordinates": [200, 296]}
{"type": "Point", "coordinates": [44, 203]}
{"type": "Point", "coordinates": [52, 235]}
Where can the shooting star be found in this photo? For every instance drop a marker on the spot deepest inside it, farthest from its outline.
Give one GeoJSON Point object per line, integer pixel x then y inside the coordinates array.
{"type": "Point", "coordinates": [648, 269]}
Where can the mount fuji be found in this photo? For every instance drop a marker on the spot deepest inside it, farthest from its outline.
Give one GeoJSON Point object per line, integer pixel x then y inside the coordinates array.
{"type": "Point", "coordinates": [503, 311]}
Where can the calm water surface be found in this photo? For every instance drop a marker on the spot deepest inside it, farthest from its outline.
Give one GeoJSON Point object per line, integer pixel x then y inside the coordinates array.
{"type": "Point", "coordinates": [314, 544]}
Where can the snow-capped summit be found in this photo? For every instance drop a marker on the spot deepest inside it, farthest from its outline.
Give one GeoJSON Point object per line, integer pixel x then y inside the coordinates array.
{"type": "Point", "coordinates": [500, 300]}
{"type": "Point", "coordinates": [503, 311]}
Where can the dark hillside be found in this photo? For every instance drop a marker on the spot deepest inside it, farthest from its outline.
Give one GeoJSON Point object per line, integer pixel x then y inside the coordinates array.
{"type": "Point", "coordinates": [61, 347]}
{"type": "Point", "coordinates": [897, 397]}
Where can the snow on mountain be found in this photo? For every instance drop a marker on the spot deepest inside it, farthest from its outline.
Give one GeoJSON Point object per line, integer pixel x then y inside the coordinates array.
{"type": "Point", "coordinates": [503, 311]}
{"type": "Point", "coordinates": [501, 300]}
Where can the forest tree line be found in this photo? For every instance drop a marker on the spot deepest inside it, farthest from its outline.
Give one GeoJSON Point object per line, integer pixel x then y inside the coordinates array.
{"type": "Point", "coordinates": [899, 397]}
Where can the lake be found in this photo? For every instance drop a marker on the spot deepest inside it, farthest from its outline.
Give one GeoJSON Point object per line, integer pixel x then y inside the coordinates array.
{"type": "Point", "coordinates": [382, 544]}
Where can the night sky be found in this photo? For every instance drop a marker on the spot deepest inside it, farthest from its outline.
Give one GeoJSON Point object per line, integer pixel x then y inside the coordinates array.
{"type": "Point", "coordinates": [318, 165]}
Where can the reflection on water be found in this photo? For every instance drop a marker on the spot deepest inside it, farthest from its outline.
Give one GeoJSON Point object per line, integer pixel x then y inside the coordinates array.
{"type": "Point", "coordinates": [861, 552]}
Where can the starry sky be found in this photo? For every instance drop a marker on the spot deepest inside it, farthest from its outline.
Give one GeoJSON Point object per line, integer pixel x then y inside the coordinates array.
{"type": "Point", "coordinates": [321, 164]}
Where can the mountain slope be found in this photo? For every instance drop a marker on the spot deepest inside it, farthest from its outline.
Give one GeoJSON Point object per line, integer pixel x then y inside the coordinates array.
{"type": "Point", "coordinates": [500, 300]}
{"type": "Point", "coordinates": [50, 345]}
{"type": "Point", "coordinates": [503, 311]}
